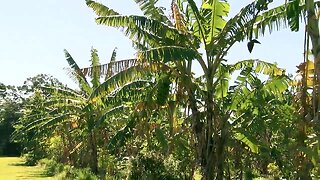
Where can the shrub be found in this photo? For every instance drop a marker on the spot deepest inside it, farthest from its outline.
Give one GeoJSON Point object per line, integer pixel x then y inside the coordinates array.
{"type": "Point", "coordinates": [84, 174]}
{"type": "Point", "coordinates": [30, 159]}
{"type": "Point", "coordinates": [51, 167]}
{"type": "Point", "coordinates": [149, 167]}
{"type": "Point", "coordinates": [71, 173]}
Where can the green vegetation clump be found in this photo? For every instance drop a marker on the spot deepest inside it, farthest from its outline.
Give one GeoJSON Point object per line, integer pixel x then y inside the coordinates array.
{"type": "Point", "coordinates": [154, 117]}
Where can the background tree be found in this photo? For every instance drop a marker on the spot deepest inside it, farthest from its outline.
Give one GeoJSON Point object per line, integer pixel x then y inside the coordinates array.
{"type": "Point", "coordinates": [33, 104]}
{"type": "Point", "coordinates": [9, 115]}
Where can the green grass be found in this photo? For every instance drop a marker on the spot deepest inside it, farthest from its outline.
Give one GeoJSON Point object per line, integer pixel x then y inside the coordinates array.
{"type": "Point", "coordinates": [13, 168]}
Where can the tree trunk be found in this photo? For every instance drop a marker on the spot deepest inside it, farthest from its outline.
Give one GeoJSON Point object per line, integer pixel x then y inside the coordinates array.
{"type": "Point", "coordinates": [197, 127]}
{"type": "Point", "coordinates": [303, 162]}
{"type": "Point", "coordinates": [313, 32]}
{"type": "Point", "coordinates": [210, 150]}
{"type": "Point", "coordinates": [220, 159]}
{"type": "Point", "coordinates": [94, 153]}
{"type": "Point", "coordinates": [220, 138]}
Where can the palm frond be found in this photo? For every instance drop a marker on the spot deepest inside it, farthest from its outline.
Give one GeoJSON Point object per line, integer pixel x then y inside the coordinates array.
{"type": "Point", "coordinates": [52, 124]}
{"type": "Point", "coordinates": [135, 91]}
{"type": "Point", "coordinates": [258, 66]}
{"type": "Point", "coordinates": [35, 123]}
{"type": "Point", "coordinates": [55, 120]}
{"type": "Point", "coordinates": [215, 11]}
{"type": "Point", "coordinates": [248, 83]}
{"type": "Point", "coordinates": [151, 11]}
{"type": "Point", "coordinates": [113, 55]}
{"type": "Point", "coordinates": [178, 18]}
{"type": "Point", "coordinates": [116, 111]}
{"type": "Point", "coordinates": [100, 9]}
{"type": "Point", "coordinates": [277, 85]}
{"type": "Point", "coordinates": [283, 16]}
{"type": "Point", "coordinates": [95, 67]}
{"type": "Point", "coordinates": [240, 26]}
{"type": "Point", "coordinates": [249, 141]}
{"type": "Point", "coordinates": [118, 80]}
{"type": "Point", "coordinates": [77, 73]}
{"type": "Point", "coordinates": [169, 53]}
{"type": "Point", "coordinates": [136, 26]}
{"type": "Point", "coordinates": [65, 100]}
{"type": "Point", "coordinates": [111, 68]}
{"type": "Point", "coordinates": [64, 92]}
{"type": "Point", "coordinates": [197, 20]}
{"type": "Point", "coordinates": [121, 136]}
{"type": "Point", "coordinates": [221, 85]}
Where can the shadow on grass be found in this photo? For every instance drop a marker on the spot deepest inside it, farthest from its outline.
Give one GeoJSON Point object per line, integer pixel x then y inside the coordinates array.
{"type": "Point", "coordinates": [37, 175]}
{"type": "Point", "coordinates": [31, 175]}
{"type": "Point", "coordinates": [19, 164]}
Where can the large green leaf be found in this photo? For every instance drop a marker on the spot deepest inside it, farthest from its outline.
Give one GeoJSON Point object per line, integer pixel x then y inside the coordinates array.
{"type": "Point", "coordinates": [95, 66]}
{"type": "Point", "coordinates": [240, 26]}
{"type": "Point", "coordinates": [216, 10]}
{"type": "Point", "coordinates": [77, 73]}
{"type": "Point", "coordinates": [121, 136]}
{"type": "Point", "coordinates": [109, 69]}
{"type": "Point", "coordinates": [294, 11]}
{"type": "Point", "coordinates": [100, 9]}
{"type": "Point", "coordinates": [55, 121]}
{"type": "Point", "coordinates": [252, 146]}
{"type": "Point", "coordinates": [283, 16]}
{"type": "Point", "coordinates": [113, 55]}
{"type": "Point", "coordinates": [277, 85]}
{"type": "Point", "coordinates": [222, 82]}
{"type": "Point", "coordinates": [63, 92]}
{"type": "Point", "coordinates": [120, 79]}
{"type": "Point", "coordinates": [197, 20]}
{"type": "Point", "coordinates": [138, 26]}
{"type": "Point", "coordinates": [258, 66]}
{"type": "Point", "coordinates": [110, 113]}
{"type": "Point", "coordinates": [150, 10]}
{"type": "Point", "coordinates": [134, 91]}
{"type": "Point", "coordinates": [162, 139]}
{"type": "Point", "coordinates": [169, 53]}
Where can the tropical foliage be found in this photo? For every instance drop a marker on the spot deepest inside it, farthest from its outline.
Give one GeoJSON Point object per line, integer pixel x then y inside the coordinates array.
{"type": "Point", "coordinates": [156, 117]}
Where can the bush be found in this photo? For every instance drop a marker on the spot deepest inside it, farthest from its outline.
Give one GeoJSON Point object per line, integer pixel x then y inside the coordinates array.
{"type": "Point", "coordinates": [30, 159]}
{"type": "Point", "coordinates": [65, 172]}
{"type": "Point", "coordinates": [71, 173]}
{"type": "Point", "coordinates": [150, 167]}
{"type": "Point", "coordinates": [33, 155]}
{"type": "Point", "coordinates": [51, 167]}
{"type": "Point", "coordinates": [110, 167]}
{"type": "Point", "coordinates": [84, 174]}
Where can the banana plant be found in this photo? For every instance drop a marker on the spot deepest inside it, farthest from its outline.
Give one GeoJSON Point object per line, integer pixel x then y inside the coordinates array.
{"type": "Point", "coordinates": [290, 15]}
{"type": "Point", "coordinates": [261, 117]}
{"type": "Point", "coordinates": [194, 35]}
{"type": "Point", "coordinates": [77, 112]}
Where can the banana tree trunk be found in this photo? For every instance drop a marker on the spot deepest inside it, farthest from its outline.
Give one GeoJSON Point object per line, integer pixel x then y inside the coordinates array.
{"type": "Point", "coordinates": [215, 136]}
{"type": "Point", "coordinates": [220, 139]}
{"type": "Point", "coordinates": [210, 134]}
{"type": "Point", "coordinates": [313, 32]}
{"type": "Point", "coordinates": [94, 153]}
{"type": "Point", "coordinates": [197, 127]}
{"type": "Point", "coordinates": [214, 151]}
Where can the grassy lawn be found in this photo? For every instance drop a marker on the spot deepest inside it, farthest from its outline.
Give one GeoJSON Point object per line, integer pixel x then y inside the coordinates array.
{"type": "Point", "coordinates": [12, 168]}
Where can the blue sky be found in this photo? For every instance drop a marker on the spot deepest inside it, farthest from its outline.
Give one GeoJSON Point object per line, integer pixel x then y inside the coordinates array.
{"type": "Point", "coordinates": [34, 33]}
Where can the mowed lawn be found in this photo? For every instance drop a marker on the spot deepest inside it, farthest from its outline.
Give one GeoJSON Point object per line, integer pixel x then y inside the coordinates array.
{"type": "Point", "coordinates": [12, 168]}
